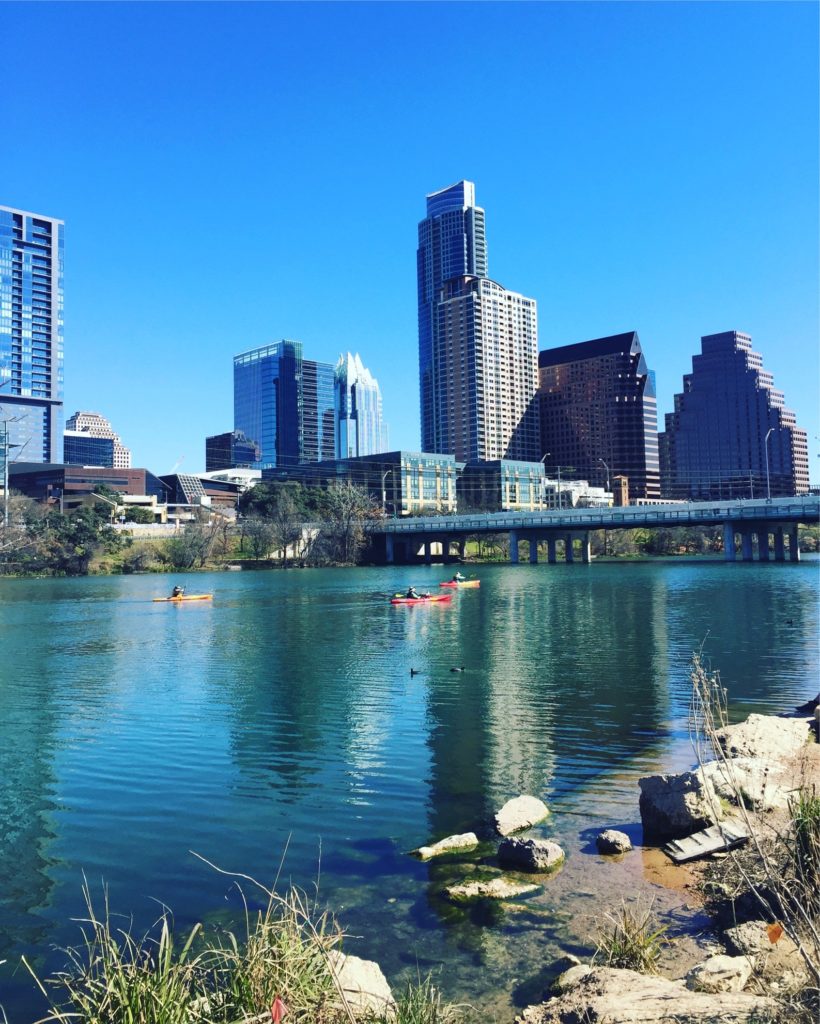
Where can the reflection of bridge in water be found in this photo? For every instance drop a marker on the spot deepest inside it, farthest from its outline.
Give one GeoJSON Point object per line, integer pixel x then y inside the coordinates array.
{"type": "Point", "coordinates": [755, 520]}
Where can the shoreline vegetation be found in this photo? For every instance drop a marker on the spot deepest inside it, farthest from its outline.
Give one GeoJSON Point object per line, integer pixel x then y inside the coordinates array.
{"type": "Point", "coordinates": [286, 961]}
{"type": "Point", "coordinates": [272, 531]}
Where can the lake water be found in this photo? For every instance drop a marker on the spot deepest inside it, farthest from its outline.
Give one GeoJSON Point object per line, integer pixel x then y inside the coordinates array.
{"type": "Point", "coordinates": [279, 729]}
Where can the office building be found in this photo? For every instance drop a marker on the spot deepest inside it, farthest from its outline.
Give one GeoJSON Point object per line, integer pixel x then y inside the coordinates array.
{"type": "Point", "coordinates": [730, 435]}
{"type": "Point", "coordinates": [478, 342]}
{"type": "Point", "coordinates": [359, 426]}
{"type": "Point", "coordinates": [502, 485]}
{"type": "Point", "coordinates": [67, 486]}
{"type": "Point", "coordinates": [285, 403]}
{"type": "Point", "coordinates": [599, 416]}
{"type": "Point", "coordinates": [82, 449]}
{"type": "Point", "coordinates": [95, 425]}
{"type": "Point", "coordinates": [231, 450]}
{"type": "Point", "coordinates": [401, 482]}
{"type": "Point", "coordinates": [31, 334]}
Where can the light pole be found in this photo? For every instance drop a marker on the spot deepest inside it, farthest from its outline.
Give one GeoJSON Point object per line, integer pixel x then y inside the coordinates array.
{"type": "Point", "coordinates": [102, 497]}
{"type": "Point", "coordinates": [766, 450]}
{"type": "Point", "coordinates": [607, 472]}
{"type": "Point", "coordinates": [546, 455]}
{"type": "Point", "coordinates": [385, 475]}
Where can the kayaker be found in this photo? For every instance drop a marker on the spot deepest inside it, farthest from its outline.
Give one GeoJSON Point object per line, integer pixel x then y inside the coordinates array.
{"type": "Point", "coordinates": [458, 578]}
{"type": "Point", "coordinates": [177, 591]}
{"type": "Point", "coordinates": [411, 592]}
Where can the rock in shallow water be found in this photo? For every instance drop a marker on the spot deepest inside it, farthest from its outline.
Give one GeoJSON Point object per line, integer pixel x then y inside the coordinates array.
{"type": "Point", "coordinates": [612, 841]}
{"type": "Point", "coordinates": [494, 889]}
{"type": "Point", "coordinates": [530, 854]}
{"type": "Point", "coordinates": [520, 813]}
{"type": "Point", "coordinates": [465, 841]}
{"type": "Point", "coordinates": [366, 990]}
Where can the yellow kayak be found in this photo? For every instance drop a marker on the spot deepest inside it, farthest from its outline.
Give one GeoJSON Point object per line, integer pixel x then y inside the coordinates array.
{"type": "Point", "coordinates": [186, 597]}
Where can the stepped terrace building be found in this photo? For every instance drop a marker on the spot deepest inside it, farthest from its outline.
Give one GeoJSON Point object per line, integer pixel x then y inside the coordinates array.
{"type": "Point", "coordinates": [730, 435]}
{"type": "Point", "coordinates": [599, 416]}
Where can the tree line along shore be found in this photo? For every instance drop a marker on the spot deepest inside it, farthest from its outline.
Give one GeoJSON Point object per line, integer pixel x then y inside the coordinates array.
{"type": "Point", "coordinates": [277, 525]}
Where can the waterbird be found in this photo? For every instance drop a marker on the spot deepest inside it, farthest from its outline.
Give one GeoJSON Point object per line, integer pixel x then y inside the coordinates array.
{"type": "Point", "coordinates": [459, 669]}
{"type": "Point", "coordinates": [415, 671]}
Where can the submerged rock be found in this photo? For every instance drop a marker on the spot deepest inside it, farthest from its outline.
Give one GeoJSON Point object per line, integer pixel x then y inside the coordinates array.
{"type": "Point", "coordinates": [492, 889]}
{"type": "Point", "coordinates": [530, 854]}
{"type": "Point", "coordinates": [675, 806]}
{"type": "Point", "coordinates": [606, 995]}
{"type": "Point", "coordinates": [364, 986]}
{"type": "Point", "coordinates": [612, 841]}
{"type": "Point", "coordinates": [520, 813]}
{"type": "Point", "coordinates": [465, 841]}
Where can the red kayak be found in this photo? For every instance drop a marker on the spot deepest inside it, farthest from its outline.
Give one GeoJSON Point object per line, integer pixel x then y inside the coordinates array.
{"type": "Point", "coordinates": [461, 583]}
{"type": "Point", "coordinates": [428, 599]}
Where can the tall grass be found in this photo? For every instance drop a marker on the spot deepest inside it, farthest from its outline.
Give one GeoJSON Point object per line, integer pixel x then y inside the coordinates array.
{"type": "Point", "coordinates": [631, 938]}
{"type": "Point", "coordinates": [218, 976]}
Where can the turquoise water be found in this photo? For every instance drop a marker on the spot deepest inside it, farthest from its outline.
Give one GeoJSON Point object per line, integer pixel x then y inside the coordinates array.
{"type": "Point", "coordinates": [279, 730]}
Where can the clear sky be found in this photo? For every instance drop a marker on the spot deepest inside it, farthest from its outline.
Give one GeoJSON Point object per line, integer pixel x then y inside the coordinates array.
{"type": "Point", "coordinates": [232, 174]}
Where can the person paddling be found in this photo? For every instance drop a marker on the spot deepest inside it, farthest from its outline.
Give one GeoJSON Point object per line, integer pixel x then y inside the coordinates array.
{"type": "Point", "coordinates": [177, 591]}
{"type": "Point", "coordinates": [411, 592]}
{"type": "Point", "coordinates": [458, 578]}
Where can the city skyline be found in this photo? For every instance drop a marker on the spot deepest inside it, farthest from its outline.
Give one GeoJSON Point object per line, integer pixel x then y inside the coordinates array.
{"type": "Point", "coordinates": [668, 210]}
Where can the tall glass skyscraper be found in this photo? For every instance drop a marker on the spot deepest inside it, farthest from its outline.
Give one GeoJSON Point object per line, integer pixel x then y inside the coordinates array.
{"type": "Point", "coordinates": [285, 404]}
{"type": "Point", "coordinates": [359, 426]}
{"type": "Point", "coordinates": [478, 343]}
{"type": "Point", "coordinates": [730, 435]}
{"type": "Point", "coordinates": [31, 334]}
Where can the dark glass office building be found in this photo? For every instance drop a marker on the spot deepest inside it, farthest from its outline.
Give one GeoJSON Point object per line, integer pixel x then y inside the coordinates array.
{"type": "Point", "coordinates": [31, 333]}
{"type": "Point", "coordinates": [231, 450]}
{"type": "Point", "coordinates": [599, 414]}
{"type": "Point", "coordinates": [83, 449]}
{"type": "Point", "coordinates": [286, 403]}
{"type": "Point", "coordinates": [730, 435]}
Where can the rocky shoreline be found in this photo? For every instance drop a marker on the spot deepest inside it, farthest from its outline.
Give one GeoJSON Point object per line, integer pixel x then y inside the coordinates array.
{"type": "Point", "coordinates": [754, 968]}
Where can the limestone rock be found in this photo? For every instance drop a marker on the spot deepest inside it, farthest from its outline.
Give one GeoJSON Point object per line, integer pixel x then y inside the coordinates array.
{"type": "Point", "coordinates": [674, 806]}
{"type": "Point", "coordinates": [465, 841]}
{"type": "Point", "coordinates": [612, 841]}
{"type": "Point", "coordinates": [780, 960]}
{"type": "Point", "coordinates": [764, 736]}
{"type": "Point", "coordinates": [363, 984]}
{"type": "Point", "coordinates": [520, 813]}
{"type": "Point", "coordinates": [570, 978]}
{"type": "Point", "coordinates": [760, 782]}
{"type": "Point", "coordinates": [494, 889]}
{"type": "Point", "coordinates": [609, 996]}
{"type": "Point", "coordinates": [530, 854]}
{"type": "Point", "coordinates": [720, 974]}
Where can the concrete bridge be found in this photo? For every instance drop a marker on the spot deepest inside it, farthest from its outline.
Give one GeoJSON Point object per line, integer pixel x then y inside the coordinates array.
{"type": "Point", "coordinates": [757, 521]}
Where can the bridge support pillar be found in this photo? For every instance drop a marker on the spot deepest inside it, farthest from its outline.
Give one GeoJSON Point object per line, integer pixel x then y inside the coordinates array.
{"type": "Point", "coordinates": [728, 542]}
{"type": "Point", "coordinates": [586, 549]}
{"type": "Point", "coordinates": [514, 547]}
{"type": "Point", "coordinates": [462, 546]}
{"type": "Point", "coordinates": [763, 544]}
{"type": "Point", "coordinates": [779, 546]}
{"type": "Point", "coordinates": [569, 554]}
{"type": "Point", "coordinates": [533, 551]}
{"type": "Point", "coordinates": [794, 547]}
{"type": "Point", "coordinates": [746, 546]}
{"type": "Point", "coordinates": [388, 548]}
{"type": "Point", "coordinates": [551, 550]}
{"type": "Point", "coordinates": [428, 552]}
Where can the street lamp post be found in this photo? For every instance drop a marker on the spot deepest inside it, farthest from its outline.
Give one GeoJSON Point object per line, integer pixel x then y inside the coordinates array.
{"type": "Point", "coordinates": [766, 450]}
{"type": "Point", "coordinates": [385, 475]}
{"type": "Point", "coordinates": [546, 455]}
{"type": "Point", "coordinates": [606, 467]}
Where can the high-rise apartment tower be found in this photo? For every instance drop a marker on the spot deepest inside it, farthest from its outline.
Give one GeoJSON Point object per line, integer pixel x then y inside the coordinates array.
{"type": "Point", "coordinates": [478, 342]}
{"type": "Point", "coordinates": [31, 334]}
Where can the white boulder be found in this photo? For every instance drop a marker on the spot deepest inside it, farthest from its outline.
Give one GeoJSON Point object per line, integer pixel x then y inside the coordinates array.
{"type": "Point", "coordinates": [520, 813]}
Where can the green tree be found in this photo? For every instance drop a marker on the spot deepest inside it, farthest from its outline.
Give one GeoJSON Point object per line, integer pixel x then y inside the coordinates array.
{"type": "Point", "coordinates": [138, 514]}
{"type": "Point", "coordinates": [68, 542]}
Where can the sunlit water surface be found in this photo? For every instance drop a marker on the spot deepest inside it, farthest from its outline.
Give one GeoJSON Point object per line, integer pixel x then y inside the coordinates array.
{"type": "Point", "coordinates": [279, 730]}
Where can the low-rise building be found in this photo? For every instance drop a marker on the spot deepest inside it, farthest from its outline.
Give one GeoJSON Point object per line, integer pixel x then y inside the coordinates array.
{"type": "Point", "coordinates": [67, 486]}
{"type": "Point", "coordinates": [502, 485]}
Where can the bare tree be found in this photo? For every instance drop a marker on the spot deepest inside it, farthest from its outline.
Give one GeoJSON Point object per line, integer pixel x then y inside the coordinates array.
{"type": "Point", "coordinates": [260, 534]}
{"type": "Point", "coordinates": [348, 510]}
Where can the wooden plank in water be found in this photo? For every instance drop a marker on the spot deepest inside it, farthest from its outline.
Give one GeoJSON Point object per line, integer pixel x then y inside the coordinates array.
{"type": "Point", "coordinates": [725, 836]}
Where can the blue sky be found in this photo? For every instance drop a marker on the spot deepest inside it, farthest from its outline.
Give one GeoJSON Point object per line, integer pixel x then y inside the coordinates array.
{"type": "Point", "coordinates": [231, 174]}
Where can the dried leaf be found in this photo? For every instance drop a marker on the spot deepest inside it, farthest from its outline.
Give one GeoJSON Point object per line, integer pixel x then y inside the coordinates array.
{"type": "Point", "coordinates": [774, 931]}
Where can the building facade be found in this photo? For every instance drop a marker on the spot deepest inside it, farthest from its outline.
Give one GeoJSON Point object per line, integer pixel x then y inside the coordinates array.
{"type": "Point", "coordinates": [31, 333]}
{"type": "Point", "coordinates": [599, 415]}
{"type": "Point", "coordinates": [95, 425]}
{"type": "Point", "coordinates": [286, 403]}
{"type": "Point", "coordinates": [360, 429]}
{"type": "Point", "coordinates": [56, 483]}
{"type": "Point", "coordinates": [730, 435]}
{"type": "Point", "coordinates": [401, 482]}
{"type": "Point", "coordinates": [478, 342]}
{"type": "Point", "coordinates": [502, 485]}
{"type": "Point", "coordinates": [231, 450]}
{"type": "Point", "coordinates": [82, 449]}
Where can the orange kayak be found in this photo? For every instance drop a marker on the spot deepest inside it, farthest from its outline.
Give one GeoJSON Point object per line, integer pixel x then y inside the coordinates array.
{"type": "Point", "coordinates": [461, 583]}
{"type": "Point", "coordinates": [186, 597]}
